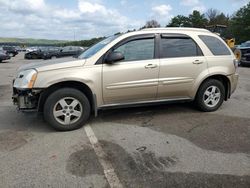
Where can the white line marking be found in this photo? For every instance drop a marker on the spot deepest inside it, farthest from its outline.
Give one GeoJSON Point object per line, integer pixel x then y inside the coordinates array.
{"type": "Point", "coordinates": [108, 169]}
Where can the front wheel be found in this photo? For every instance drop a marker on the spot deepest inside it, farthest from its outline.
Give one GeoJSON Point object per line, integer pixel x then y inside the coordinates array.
{"type": "Point", "coordinates": [210, 96]}
{"type": "Point", "coordinates": [67, 109]}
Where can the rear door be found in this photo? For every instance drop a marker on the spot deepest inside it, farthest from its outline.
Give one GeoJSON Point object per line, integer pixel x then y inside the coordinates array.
{"type": "Point", "coordinates": [134, 79]}
{"type": "Point", "coordinates": [181, 64]}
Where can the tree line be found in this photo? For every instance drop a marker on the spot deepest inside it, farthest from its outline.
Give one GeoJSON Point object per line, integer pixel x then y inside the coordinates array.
{"type": "Point", "coordinates": [237, 25]}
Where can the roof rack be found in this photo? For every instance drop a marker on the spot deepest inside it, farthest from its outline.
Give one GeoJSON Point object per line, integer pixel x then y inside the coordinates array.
{"type": "Point", "coordinates": [176, 28]}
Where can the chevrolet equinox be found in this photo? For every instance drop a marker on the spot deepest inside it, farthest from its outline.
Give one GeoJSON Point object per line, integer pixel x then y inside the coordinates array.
{"type": "Point", "coordinates": [137, 68]}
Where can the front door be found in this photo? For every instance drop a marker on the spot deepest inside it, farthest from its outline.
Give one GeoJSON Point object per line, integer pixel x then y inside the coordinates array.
{"type": "Point", "coordinates": [134, 79]}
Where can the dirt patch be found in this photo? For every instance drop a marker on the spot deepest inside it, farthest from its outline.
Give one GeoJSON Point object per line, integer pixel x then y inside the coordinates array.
{"type": "Point", "coordinates": [84, 162]}
{"type": "Point", "coordinates": [145, 170]}
{"type": "Point", "coordinates": [12, 140]}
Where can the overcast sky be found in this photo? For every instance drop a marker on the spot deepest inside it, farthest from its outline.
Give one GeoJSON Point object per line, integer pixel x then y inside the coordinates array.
{"type": "Point", "coordinates": [60, 19]}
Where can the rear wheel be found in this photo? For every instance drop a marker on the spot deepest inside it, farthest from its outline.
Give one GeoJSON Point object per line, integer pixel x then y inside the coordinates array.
{"type": "Point", "coordinates": [210, 96]}
{"type": "Point", "coordinates": [67, 109]}
{"type": "Point", "coordinates": [33, 56]}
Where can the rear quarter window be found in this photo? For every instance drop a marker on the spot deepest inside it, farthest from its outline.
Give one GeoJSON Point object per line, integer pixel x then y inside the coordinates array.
{"type": "Point", "coordinates": [216, 46]}
{"type": "Point", "coordinates": [172, 47]}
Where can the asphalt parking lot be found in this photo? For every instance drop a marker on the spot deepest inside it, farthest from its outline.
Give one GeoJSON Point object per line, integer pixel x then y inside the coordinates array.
{"type": "Point", "coordinates": [170, 145]}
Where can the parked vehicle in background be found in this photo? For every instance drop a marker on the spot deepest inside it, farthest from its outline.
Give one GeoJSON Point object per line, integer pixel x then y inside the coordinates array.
{"type": "Point", "coordinates": [40, 52]}
{"type": "Point", "coordinates": [11, 50]}
{"type": "Point", "coordinates": [34, 54]}
{"type": "Point", "coordinates": [20, 49]}
{"type": "Point", "coordinates": [137, 68]}
{"type": "Point", "coordinates": [243, 52]}
{"type": "Point", "coordinates": [64, 52]}
{"type": "Point", "coordinates": [31, 49]}
{"type": "Point", "coordinates": [3, 55]}
{"type": "Point", "coordinates": [53, 52]}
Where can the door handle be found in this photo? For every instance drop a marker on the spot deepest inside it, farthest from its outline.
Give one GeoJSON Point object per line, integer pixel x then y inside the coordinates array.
{"type": "Point", "coordinates": [197, 62]}
{"type": "Point", "coordinates": [150, 66]}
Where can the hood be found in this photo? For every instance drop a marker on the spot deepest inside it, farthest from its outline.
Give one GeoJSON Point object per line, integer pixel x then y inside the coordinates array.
{"type": "Point", "coordinates": [53, 64]}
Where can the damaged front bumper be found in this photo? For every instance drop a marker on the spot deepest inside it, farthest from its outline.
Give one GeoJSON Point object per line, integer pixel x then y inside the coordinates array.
{"type": "Point", "coordinates": [26, 99]}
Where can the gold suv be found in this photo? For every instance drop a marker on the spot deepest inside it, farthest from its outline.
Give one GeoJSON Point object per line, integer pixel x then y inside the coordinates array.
{"type": "Point", "coordinates": [137, 68]}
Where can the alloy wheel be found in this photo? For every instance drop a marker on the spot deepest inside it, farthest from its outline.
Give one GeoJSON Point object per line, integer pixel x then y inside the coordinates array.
{"type": "Point", "coordinates": [67, 111]}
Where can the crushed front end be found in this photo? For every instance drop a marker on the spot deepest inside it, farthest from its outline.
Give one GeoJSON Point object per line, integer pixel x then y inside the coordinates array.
{"type": "Point", "coordinates": [26, 100]}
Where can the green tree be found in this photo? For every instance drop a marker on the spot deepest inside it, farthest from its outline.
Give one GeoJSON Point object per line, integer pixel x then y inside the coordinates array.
{"type": "Point", "coordinates": [215, 17]}
{"type": "Point", "coordinates": [212, 15]}
{"type": "Point", "coordinates": [151, 24]}
{"type": "Point", "coordinates": [84, 43]}
{"type": "Point", "coordinates": [222, 19]}
{"type": "Point", "coordinates": [197, 19]}
{"type": "Point", "coordinates": [180, 21]}
{"type": "Point", "coordinates": [240, 24]}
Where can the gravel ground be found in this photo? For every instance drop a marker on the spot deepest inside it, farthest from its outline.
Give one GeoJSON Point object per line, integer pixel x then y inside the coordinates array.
{"type": "Point", "coordinates": [170, 145]}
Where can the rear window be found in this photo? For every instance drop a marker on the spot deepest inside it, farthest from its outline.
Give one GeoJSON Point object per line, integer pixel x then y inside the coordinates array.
{"type": "Point", "coordinates": [215, 45]}
{"type": "Point", "coordinates": [179, 47]}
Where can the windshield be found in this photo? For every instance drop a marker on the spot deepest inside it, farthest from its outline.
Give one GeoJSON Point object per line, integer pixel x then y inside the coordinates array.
{"type": "Point", "coordinates": [97, 47]}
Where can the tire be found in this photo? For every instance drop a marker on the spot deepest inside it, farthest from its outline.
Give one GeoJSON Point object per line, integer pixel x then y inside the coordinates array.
{"type": "Point", "coordinates": [27, 56]}
{"type": "Point", "coordinates": [60, 115]}
{"type": "Point", "coordinates": [53, 57]}
{"type": "Point", "coordinates": [11, 55]}
{"type": "Point", "coordinates": [34, 56]}
{"type": "Point", "coordinates": [210, 95]}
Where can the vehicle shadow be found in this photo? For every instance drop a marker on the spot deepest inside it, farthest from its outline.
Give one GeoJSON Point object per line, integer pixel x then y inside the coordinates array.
{"type": "Point", "coordinates": [128, 114]}
{"type": "Point", "coordinates": [12, 119]}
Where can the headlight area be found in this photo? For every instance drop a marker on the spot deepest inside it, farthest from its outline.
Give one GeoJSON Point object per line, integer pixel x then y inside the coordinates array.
{"type": "Point", "coordinates": [24, 95]}
{"type": "Point", "coordinates": [25, 79]}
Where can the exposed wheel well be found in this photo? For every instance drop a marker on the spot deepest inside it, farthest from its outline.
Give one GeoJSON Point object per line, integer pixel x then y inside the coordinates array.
{"type": "Point", "coordinates": [71, 84]}
{"type": "Point", "coordinates": [225, 81]}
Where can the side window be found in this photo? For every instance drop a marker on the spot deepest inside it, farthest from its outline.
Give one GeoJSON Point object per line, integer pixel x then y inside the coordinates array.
{"type": "Point", "coordinates": [215, 45]}
{"type": "Point", "coordinates": [179, 47]}
{"type": "Point", "coordinates": [135, 50]}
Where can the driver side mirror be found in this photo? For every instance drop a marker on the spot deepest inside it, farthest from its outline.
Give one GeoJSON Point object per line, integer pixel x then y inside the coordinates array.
{"type": "Point", "coordinates": [114, 57]}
